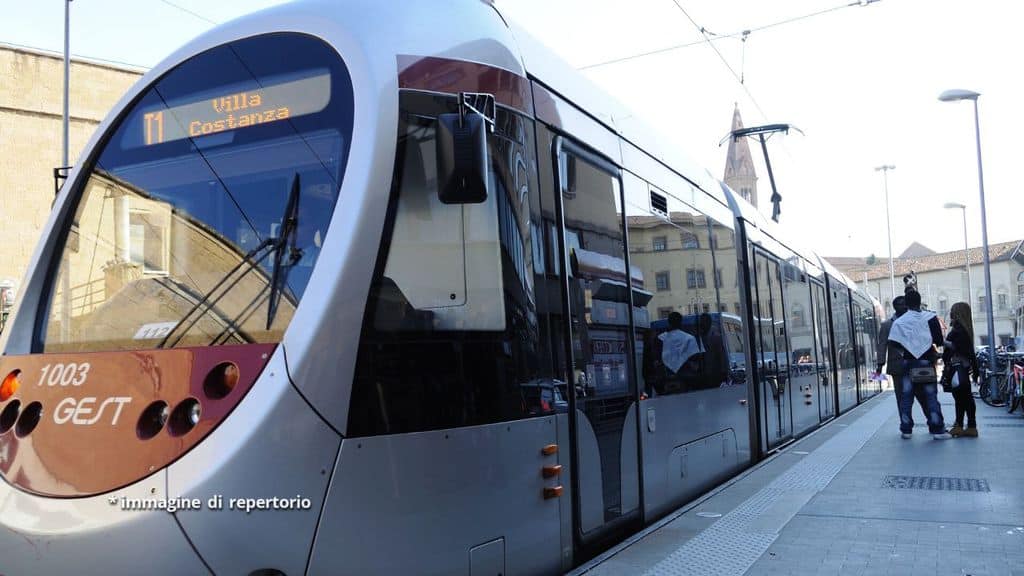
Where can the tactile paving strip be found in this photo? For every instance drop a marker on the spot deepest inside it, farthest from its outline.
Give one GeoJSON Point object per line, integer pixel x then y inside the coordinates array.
{"type": "Point", "coordinates": [936, 483]}
{"type": "Point", "coordinates": [733, 543]}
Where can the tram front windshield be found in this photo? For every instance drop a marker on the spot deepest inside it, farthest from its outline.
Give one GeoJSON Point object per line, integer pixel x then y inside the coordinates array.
{"type": "Point", "coordinates": [204, 211]}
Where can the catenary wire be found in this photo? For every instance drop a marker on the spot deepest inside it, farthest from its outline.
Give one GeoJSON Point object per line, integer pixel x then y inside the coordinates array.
{"type": "Point", "coordinates": [187, 11]}
{"type": "Point", "coordinates": [738, 34]}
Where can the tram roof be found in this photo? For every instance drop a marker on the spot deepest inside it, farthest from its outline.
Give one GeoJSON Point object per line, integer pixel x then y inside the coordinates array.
{"type": "Point", "coordinates": [545, 67]}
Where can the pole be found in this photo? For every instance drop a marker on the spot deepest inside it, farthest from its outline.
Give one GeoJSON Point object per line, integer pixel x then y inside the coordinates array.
{"type": "Point", "coordinates": [967, 259]}
{"type": "Point", "coordinates": [65, 324]}
{"type": "Point", "coordinates": [771, 178]}
{"type": "Point", "coordinates": [888, 227]}
{"type": "Point", "coordinates": [984, 242]}
{"type": "Point", "coordinates": [67, 76]}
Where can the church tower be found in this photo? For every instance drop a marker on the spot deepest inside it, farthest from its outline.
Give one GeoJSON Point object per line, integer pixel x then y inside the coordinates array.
{"type": "Point", "coordinates": [739, 168]}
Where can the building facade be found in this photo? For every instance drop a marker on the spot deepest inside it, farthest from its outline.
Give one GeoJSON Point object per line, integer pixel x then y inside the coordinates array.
{"type": "Point", "coordinates": [31, 108]}
{"type": "Point", "coordinates": [942, 281]}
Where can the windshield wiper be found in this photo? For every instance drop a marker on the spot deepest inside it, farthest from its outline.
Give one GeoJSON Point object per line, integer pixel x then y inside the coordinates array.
{"type": "Point", "coordinates": [289, 237]}
{"type": "Point", "coordinates": [267, 246]}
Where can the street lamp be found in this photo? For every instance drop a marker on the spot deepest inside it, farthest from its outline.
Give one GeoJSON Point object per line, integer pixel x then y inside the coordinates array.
{"type": "Point", "coordinates": [888, 228]}
{"type": "Point", "coordinates": [967, 254]}
{"type": "Point", "coordinates": [952, 96]}
{"type": "Point", "coordinates": [67, 80]}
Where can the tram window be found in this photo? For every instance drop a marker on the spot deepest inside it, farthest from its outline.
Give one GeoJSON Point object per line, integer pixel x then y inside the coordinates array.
{"type": "Point", "coordinates": [193, 181]}
{"type": "Point", "coordinates": [692, 318]}
{"type": "Point", "coordinates": [803, 352]}
{"type": "Point", "coordinates": [450, 333]}
{"type": "Point", "coordinates": [598, 293]}
{"type": "Point", "coordinates": [842, 329]}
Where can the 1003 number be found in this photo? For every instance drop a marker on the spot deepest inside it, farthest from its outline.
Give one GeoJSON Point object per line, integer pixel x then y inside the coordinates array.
{"type": "Point", "coordinates": [72, 374]}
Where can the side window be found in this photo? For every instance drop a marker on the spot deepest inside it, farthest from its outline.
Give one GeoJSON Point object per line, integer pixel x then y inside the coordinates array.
{"type": "Point", "coordinates": [798, 303]}
{"type": "Point", "coordinates": [442, 271]}
{"type": "Point", "coordinates": [692, 342]}
{"type": "Point", "coordinates": [841, 326]}
{"type": "Point", "coordinates": [450, 330]}
{"type": "Point", "coordinates": [599, 300]}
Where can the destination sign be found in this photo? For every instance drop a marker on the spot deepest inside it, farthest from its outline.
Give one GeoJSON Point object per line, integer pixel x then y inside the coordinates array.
{"type": "Point", "coordinates": [237, 109]}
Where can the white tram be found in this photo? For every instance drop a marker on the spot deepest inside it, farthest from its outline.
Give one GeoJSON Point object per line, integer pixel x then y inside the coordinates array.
{"type": "Point", "coordinates": [384, 288]}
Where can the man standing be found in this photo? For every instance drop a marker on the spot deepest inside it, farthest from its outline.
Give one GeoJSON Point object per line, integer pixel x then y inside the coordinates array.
{"type": "Point", "coordinates": [887, 351]}
{"type": "Point", "coordinates": [917, 335]}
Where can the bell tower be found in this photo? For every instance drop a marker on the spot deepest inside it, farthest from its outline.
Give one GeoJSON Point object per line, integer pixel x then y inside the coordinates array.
{"type": "Point", "coordinates": [739, 167]}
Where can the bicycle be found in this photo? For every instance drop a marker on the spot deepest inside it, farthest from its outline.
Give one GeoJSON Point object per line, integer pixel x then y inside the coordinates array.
{"type": "Point", "coordinates": [993, 388]}
{"type": "Point", "coordinates": [1015, 385]}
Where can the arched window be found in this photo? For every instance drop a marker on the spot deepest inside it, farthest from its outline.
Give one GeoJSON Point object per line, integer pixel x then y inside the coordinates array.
{"type": "Point", "coordinates": [1002, 300]}
{"type": "Point", "coordinates": [943, 305]}
{"type": "Point", "coordinates": [1020, 287]}
{"type": "Point", "coordinates": [689, 241]}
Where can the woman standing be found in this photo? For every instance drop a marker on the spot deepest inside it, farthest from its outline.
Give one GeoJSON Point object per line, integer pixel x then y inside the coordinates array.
{"type": "Point", "coordinates": [958, 354]}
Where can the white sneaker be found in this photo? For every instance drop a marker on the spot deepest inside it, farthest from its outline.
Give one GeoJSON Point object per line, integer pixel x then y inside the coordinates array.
{"type": "Point", "coordinates": [943, 436]}
{"type": "Point", "coordinates": [907, 435]}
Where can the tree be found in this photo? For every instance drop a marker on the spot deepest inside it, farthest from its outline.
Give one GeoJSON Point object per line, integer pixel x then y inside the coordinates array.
{"type": "Point", "coordinates": [871, 260]}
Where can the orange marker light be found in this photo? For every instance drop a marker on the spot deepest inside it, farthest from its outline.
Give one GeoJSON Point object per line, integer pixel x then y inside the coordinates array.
{"type": "Point", "coordinates": [552, 492]}
{"type": "Point", "coordinates": [221, 380]}
{"type": "Point", "coordinates": [549, 449]}
{"type": "Point", "coordinates": [10, 386]}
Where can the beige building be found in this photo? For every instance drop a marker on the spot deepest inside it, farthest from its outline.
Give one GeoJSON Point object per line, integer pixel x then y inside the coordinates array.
{"type": "Point", "coordinates": [31, 106]}
{"type": "Point", "coordinates": [942, 281]}
{"type": "Point", "coordinates": [679, 268]}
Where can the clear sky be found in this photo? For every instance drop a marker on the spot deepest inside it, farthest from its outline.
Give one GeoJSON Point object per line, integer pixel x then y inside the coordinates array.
{"type": "Point", "coordinates": [860, 81]}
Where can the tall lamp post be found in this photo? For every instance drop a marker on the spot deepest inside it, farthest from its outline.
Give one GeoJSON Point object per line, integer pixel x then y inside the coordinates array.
{"type": "Point", "coordinates": [67, 80]}
{"type": "Point", "coordinates": [967, 253]}
{"type": "Point", "coordinates": [884, 169]}
{"type": "Point", "coordinates": [952, 96]}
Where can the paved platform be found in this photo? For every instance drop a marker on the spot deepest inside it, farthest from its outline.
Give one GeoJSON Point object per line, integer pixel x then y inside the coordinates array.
{"type": "Point", "coordinates": [854, 498]}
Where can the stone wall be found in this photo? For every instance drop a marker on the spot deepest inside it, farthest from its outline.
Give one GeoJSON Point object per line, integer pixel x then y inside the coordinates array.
{"type": "Point", "coordinates": [31, 106]}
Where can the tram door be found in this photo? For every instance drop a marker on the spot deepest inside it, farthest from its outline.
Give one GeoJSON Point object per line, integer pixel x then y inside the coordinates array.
{"type": "Point", "coordinates": [826, 383]}
{"type": "Point", "coordinates": [603, 410]}
{"type": "Point", "coordinates": [772, 353]}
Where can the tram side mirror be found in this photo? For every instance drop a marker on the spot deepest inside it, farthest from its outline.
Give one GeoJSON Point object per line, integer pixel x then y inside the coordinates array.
{"type": "Point", "coordinates": [461, 158]}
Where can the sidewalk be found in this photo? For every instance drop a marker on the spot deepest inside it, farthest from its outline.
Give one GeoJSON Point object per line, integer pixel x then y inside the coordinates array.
{"type": "Point", "coordinates": [855, 498]}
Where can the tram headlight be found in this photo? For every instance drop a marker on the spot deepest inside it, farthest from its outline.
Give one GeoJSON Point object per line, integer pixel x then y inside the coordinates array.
{"type": "Point", "coordinates": [152, 420]}
{"type": "Point", "coordinates": [10, 386]}
{"type": "Point", "coordinates": [9, 416]}
{"type": "Point", "coordinates": [29, 419]}
{"type": "Point", "coordinates": [184, 417]}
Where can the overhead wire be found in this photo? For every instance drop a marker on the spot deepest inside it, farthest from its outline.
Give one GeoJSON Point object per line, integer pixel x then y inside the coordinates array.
{"type": "Point", "coordinates": [187, 11]}
{"type": "Point", "coordinates": [179, 7]}
{"type": "Point", "coordinates": [737, 34]}
{"type": "Point", "coordinates": [75, 55]}
{"type": "Point", "coordinates": [707, 39]}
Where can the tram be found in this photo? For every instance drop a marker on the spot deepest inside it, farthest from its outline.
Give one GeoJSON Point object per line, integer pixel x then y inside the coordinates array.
{"type": "Point", "coordinates": [386, 288]}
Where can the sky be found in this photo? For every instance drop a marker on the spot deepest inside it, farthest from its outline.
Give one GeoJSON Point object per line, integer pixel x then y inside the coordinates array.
{"type": "Point", "coordinates": [860, 81]}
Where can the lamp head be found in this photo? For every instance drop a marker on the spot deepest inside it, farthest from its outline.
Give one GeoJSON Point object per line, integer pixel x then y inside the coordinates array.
{"type": "Point", "coordinates": [884, 167]}
{"type": "Point", "coordinates": [958, 94]}
{"type": "Point", "coordinates": [954, 205]}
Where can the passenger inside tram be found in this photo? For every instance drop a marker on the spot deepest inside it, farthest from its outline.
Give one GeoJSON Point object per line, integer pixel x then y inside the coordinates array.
{"type": "Point", "coordinates": [706, 359]}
